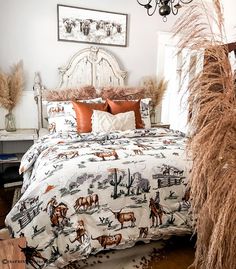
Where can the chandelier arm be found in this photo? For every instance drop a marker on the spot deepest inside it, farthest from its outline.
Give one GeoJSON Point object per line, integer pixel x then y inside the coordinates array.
{"type": "Point", "coordinates": [173, 9]}
{"type": "Point", "coordinates": [149, 1]}
{"type": "Point", "coordinates": [185, 1]}
{"type": "Point", "coordinates": [143, 5]}
{"type": "Point", "coordinates": [157, 2]}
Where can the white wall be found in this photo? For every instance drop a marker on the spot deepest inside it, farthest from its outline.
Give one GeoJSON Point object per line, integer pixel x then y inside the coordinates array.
{"type": "Point", "coordinates": [174, 105]}
{"type": "Point", "coordinates": [230, 19]}
{"type": "Point", "coordinates": [28, 30]}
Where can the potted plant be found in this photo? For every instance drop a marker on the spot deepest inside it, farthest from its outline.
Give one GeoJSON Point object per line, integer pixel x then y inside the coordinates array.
{"type": "Point", "coordinates": [155, 89]}
{"type": "Point", "coordinates": [11, 87]}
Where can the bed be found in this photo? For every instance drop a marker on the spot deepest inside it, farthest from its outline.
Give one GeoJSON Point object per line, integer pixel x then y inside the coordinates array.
{"type": "Point", "coordinates": [86, 192]}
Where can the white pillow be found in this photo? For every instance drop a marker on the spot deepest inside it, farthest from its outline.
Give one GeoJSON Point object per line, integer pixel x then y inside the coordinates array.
{"type": "Point", "coordinates": [106, 122]}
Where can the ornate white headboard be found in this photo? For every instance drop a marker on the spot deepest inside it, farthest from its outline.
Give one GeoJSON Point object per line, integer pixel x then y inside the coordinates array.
{"type": "Point", "coordinates": [91, 66]}
{"type": "Point", "coordinates": [94, 66]}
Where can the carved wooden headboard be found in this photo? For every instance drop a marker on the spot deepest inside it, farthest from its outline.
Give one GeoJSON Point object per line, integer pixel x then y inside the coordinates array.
{"type": "Point", "coordinates": [91, 66]}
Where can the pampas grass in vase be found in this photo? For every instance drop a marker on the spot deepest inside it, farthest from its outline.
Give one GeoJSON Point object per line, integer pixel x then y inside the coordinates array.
{"type": "Point", "coordinates": [155, 89]}
{"type": "Point", "coordinates": [11, 87]}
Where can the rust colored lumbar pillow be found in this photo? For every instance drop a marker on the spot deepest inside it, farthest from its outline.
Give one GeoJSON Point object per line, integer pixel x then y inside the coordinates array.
{"type": "Point", "coordinates": [84, 113]}
{"type": "Point", "coordinates": [116, 107]}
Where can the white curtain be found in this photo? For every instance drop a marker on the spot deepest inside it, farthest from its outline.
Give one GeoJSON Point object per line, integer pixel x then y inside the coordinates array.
{"type": "Point", "coordinates": [176, 69]}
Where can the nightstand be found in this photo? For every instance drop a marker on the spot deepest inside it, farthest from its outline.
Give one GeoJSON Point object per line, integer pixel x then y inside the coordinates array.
{"type": "Point", "coordinates": [160, 125]}
{"type": "Point", "coordinates": [13, 145]}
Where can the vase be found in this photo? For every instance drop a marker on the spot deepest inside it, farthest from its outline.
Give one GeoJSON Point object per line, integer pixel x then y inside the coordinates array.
{"type": "Point", "coordinates": [153, 115]}
{"type": "Point", "coordinates": [10, 124]}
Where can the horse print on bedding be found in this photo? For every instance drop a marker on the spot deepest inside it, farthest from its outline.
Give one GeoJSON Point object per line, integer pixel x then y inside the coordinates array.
{"type": "Point", "coordinates": [85, 193]}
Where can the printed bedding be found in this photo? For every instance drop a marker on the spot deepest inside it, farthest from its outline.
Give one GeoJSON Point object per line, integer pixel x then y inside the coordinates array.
{"type": "Point", "coordinates": [85, 193]}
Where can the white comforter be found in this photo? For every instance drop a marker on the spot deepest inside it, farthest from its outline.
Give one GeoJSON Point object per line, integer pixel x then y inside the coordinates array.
{"type": "Point", "coordinates": [82, 194]}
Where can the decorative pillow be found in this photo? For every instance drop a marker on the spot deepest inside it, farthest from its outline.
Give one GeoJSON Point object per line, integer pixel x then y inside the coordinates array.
{"type": "Point", "coordinates": [122, 93]}
{"type": "Point", "coordinates": [116, 107]}
{"type": "Point", "coordinates": [61, 115]}
{"type": "Point", "coordinates": [82, 93]}
{"type": "Point", "coordinates": [84, 113]}
{"type": "Point", "coordinates": [106, 122]}
{"type": "Point", "coordinates": [61, 124]}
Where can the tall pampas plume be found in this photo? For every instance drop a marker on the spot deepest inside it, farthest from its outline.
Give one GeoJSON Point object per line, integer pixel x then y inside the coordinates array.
{"type": "Point", "coordinates": [4, 91]}
{"type": "Point", "coordinates": [212, 145]}
{"type": "Point", "coordinates": [155, 88]}
{"type": "Point", "coordinates": [16, 83]}
{"type": "Point", "coordinates": [11, 86]}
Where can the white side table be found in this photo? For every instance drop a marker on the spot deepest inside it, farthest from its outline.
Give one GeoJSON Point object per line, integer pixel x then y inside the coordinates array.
{"type": "Point", "coordinates": [16, 143]}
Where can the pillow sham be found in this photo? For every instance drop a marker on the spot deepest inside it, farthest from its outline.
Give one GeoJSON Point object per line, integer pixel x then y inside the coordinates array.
{"type": "Point", "coordinates": [106, 122]}
{"type": "Point", "coordinates": [61, 115]}
{"type": "Point", "coordinates": [58, 108]}
{"type": "Point", "coordinates": [83, 93]}
{"type": "Point", "coordinates": [62, 124]}
{"type": "Point", "coordinates": [116, 107]}
{"type": "Point", "coordinates": [84, 113]}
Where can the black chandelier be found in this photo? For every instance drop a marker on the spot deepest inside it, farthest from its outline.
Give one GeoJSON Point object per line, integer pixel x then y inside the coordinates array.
{"type": "Point", "coordinates": [165, 7]}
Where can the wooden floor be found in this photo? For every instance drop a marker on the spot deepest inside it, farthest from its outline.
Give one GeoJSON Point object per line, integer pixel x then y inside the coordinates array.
{"type": "Point", "coordinates": [175, 253]}
{"type": "Point", "coordinates": [6, 196]}
{"type": "Point", "coordinates": [178, 254]}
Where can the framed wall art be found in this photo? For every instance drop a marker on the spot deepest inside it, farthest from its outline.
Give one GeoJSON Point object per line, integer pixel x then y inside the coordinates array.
{"type": "Point", "coordinates": [76, 24]}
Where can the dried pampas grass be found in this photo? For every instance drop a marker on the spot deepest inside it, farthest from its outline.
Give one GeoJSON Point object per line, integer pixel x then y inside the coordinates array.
{"type": "Point", "coordinates": [4, 91]}
{"type": "Point", "coordinates": [212, 117]}
{"type": "Point", "coordinates": [11, 86]}
{"type": "Point", "coordinates": [81, 93]}
{"type": "Point", "coordinates": [155, 89]}
{"type": "Point", "coordinates": [16, 83]}
{"type": "Point", "coordinates": [122, 93]}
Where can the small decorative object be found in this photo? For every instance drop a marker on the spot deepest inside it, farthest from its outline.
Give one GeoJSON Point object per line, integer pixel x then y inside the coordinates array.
{"type": "Point", "coordinates": [10, 124]}
{"type": "Point", "coordinates": [154, 89]}
{"type": "Point", "coordinates": [84, 25]}
{"type": "Point", "coordinates": [153, 115]}
{"type": "Point", "coordinates": [11, 87]}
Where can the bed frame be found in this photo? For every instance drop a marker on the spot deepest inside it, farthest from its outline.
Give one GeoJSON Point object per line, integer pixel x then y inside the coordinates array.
{"type": "Point", "coordinates": [90, 66]}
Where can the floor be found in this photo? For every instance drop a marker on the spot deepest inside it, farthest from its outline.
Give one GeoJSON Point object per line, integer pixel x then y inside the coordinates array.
{"type": "Point", "coordinates": [176, 253]}
{"type": "Point", "coordinates": [6, 196]}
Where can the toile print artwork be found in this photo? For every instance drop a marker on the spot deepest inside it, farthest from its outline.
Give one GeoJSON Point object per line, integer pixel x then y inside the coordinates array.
{"type": "Point", "coordinates": [91, 26]}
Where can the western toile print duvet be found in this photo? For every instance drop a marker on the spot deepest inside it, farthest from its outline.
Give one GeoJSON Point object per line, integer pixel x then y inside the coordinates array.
{"type": "Point", "coordinates": [86, 193]}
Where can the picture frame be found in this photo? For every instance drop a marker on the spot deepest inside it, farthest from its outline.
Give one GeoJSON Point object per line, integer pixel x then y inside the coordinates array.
{"type": "Point", "coordinates": [83, 25]}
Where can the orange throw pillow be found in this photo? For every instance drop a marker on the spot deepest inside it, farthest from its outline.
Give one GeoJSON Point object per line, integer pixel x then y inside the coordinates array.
{"type": "Point", "coordinates": [84, 112]}
{"type": "Point", "coordinates": [116, 107]}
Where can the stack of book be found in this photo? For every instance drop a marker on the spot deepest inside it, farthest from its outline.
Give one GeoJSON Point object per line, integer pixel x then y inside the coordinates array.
{"type": "Point", "coordinates": [12, 184]}
{"type": "Point", "coordinates": [8, 157]}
